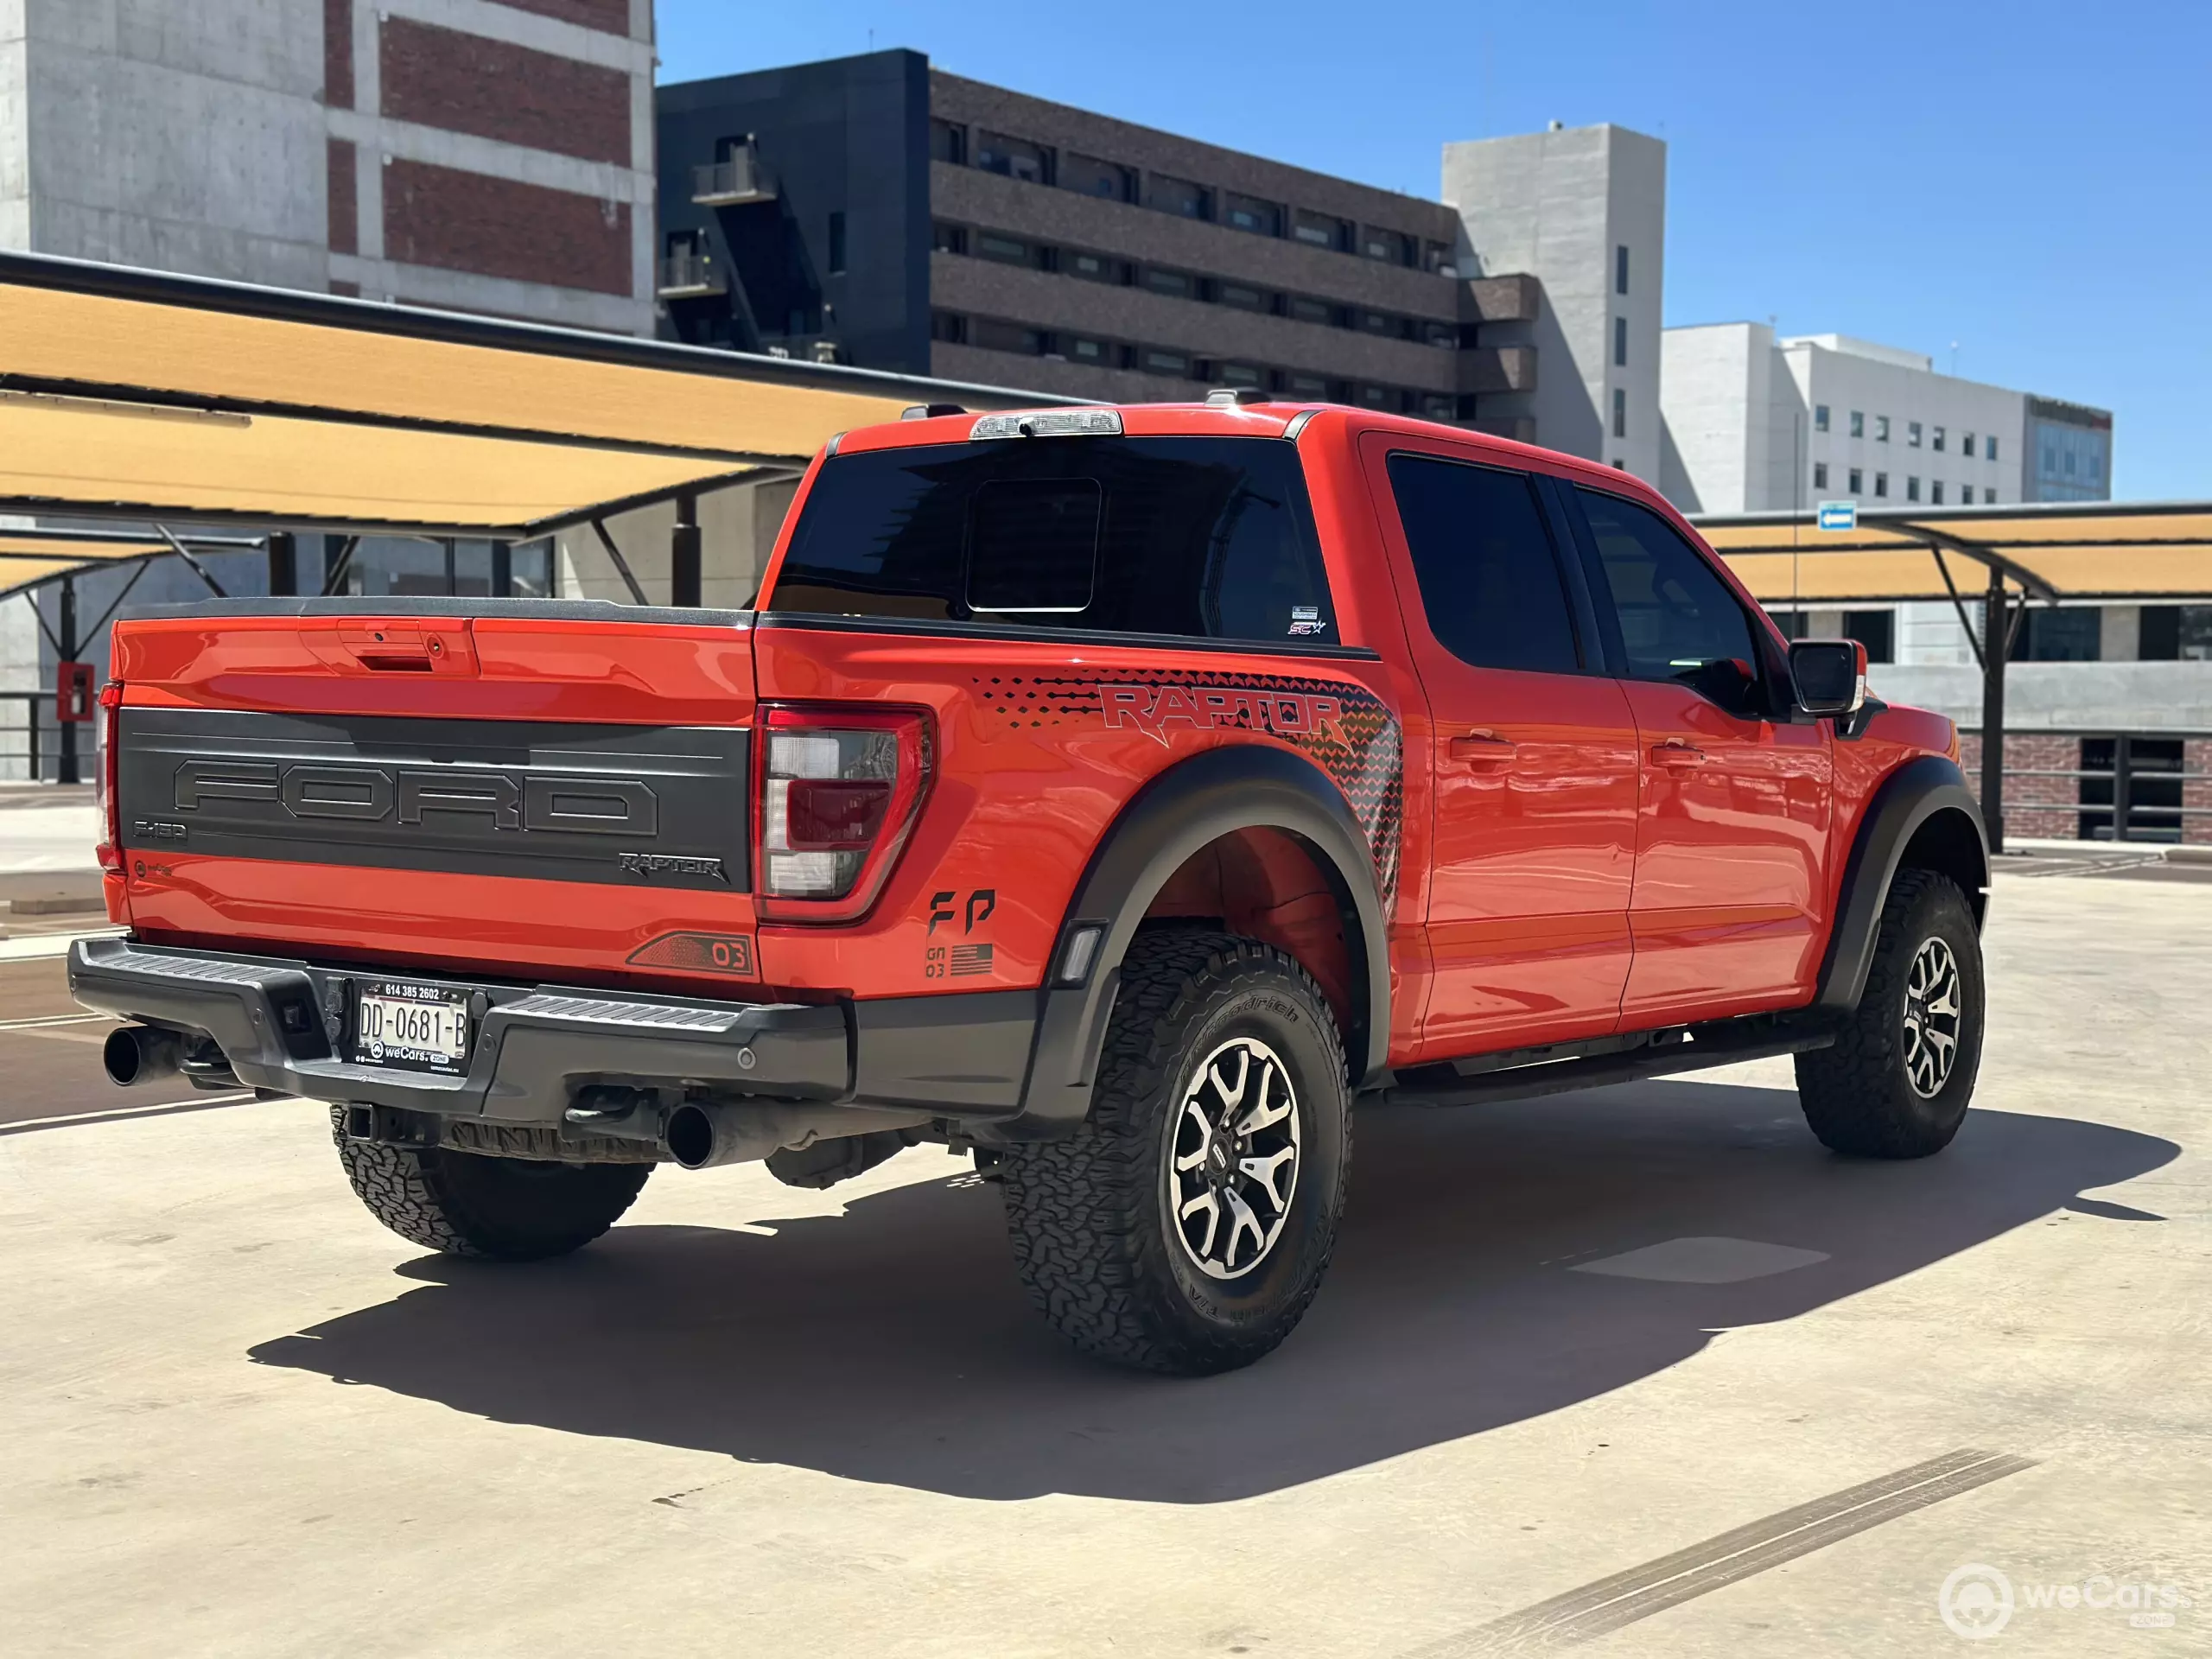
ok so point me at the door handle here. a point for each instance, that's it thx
(1678, 755)
(1483, 751)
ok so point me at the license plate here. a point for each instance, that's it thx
(419, 1027)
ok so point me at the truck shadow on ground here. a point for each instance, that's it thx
(893, 1344)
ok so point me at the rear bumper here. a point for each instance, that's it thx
(280, 1023)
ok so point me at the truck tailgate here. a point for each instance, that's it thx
(544, 785)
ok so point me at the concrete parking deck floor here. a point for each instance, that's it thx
(241, 1418)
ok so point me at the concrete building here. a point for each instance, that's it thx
(878, 211)
(1755, 424)
(491, 156)
(1583, 211)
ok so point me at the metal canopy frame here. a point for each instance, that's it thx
(2013, 579)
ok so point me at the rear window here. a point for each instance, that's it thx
(1210, 537)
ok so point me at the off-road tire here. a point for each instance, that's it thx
(1088, 1215)
(466, 1203)
(1857, 1095)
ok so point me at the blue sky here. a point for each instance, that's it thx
(2032, 180)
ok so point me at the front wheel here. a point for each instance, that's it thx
(1185, 1228)
(1897, 1080)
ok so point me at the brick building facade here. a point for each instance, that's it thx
(485, 155)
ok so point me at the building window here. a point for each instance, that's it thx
(1299, 309)
(1390, 245)
(1007, 250)
(1380, 322)
(1090, 176)
(1015, 158)
(1240, 295)
(1620, 269)
(1935, 440)
(1858, 424)
(2073, 633)
(993, 336)
(1089, 351)
(948, 238)
(949, 327)
(2176, 633)
(1935, 492)
(1881, 428)
(1620, 412)
(1882, 484)
(1319, 231)
(1241, 374)
(1306, 385)
(1876, 630)
(1169, 363)
(1097, 268)
(1912, 489)
(1436, 256)
(1966, 445)
(1619, 466)
(1378, 398)
(837, 244)
(1176, 285)
(1178, 196)
(1989, 447)
(948, 143)
(1912, 435)
(1620, 342)
(1250, 214)
(1820, 417)
(1820, 474)
(1439, 406)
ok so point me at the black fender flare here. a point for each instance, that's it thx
(1910, 800)
(1192, 804)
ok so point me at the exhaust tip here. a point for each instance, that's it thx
(139, 1054)
(690, 1135)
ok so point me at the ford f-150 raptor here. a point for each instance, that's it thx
(1120, 794)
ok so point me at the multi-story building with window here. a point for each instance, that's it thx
(878, 211)
(491, 156)
(1758, 424)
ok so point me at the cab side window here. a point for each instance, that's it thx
(1489, 581)
(1677, 617)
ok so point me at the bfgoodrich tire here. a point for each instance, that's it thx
(1185, 1227)
(1898, 1081)
(464, 1204)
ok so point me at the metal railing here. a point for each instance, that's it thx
(688, 271)
(736, 177)
(2110, 801)
(30, 737)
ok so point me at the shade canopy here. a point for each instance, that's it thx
(2090, 550)
(129, 394)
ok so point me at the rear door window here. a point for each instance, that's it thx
(1206, 537)
(1490, 581)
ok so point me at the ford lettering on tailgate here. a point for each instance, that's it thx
(663, 804)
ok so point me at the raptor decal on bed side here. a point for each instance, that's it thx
(1341, 727)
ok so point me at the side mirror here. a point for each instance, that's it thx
(1830, 676)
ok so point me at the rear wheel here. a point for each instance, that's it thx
(466, 1203)
(1898, 1079)
(1187, 1225)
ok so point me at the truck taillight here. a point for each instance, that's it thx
(109, 851)
(839, 791)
